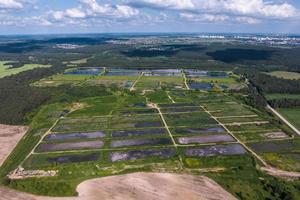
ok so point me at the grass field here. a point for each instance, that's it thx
(5, 70)
(271, 96)
(156, 82)
(285, 75)
(292, 115)
(146, 131)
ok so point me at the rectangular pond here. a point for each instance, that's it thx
(217, 129)
(163, 72)
(200, 86)
(230, 149)
(275, 146)
(123, 72)
(194, 73)
(141, 154)
(175, 105)
(73, 158)
(70, 136)
(148, 124)
(82, 71)
(181, 109)
(130, 133)
(205, 139)
(137, 111)
(140, 142)
(48, 147)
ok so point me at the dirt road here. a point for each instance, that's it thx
(283, 119)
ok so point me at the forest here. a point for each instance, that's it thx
(271, 84)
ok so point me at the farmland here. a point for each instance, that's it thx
(158, 122)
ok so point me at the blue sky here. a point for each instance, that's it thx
(103, 16)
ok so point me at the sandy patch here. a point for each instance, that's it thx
(275, 135)
(281, 173)
(9, 138)
(77, 106)
(136, 186)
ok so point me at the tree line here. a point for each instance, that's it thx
(18, 98)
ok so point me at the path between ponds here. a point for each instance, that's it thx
(136, 81)
(185, 81)
(137, 186)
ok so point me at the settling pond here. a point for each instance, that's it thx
(231, 149)
(70, 136)
(130, 133)
(74, 158)
(140, 154)
(140, 142)
(205, 139)
(45, 147)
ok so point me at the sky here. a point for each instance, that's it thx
(128, 16)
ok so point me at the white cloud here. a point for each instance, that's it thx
(10, 4)
(40, 21)
(242, 8)
(125, 11)
(93, 8)
(255, 8)
(208, 18)
(75, 13)
(165, 4)
(8, 20)
(247, 20)
(204, 17)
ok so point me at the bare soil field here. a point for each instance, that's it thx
(9, 138)
(136, 186)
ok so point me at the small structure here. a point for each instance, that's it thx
(21, 173)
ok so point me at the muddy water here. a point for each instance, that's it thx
(140, 154)
(129, 133)
(231, 149)
(69, 136)
(217, 129)
(140, 142)
(74, 158)
(70, 146)
(205, 139)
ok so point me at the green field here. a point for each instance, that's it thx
(285, 75)
(6, 70)
(273, 96)
(141, 132)
(292, 115)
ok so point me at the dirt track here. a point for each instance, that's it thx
(9, 138)
(144, 186)
(281, 173)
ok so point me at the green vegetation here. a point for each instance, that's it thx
(292, 114)
(7, 70)
(43, 120)
(40, 95)
(272, 96)
(285, 75)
